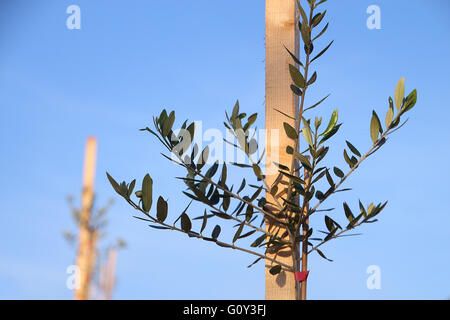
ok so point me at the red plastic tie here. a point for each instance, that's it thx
(301, 275)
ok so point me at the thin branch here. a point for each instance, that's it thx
(334, 237)
(199, 236)
(368, 153)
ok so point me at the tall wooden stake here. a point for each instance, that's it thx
(86, 250)
(281, 30)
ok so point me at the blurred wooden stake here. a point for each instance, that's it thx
(87, 237)
(110, 273)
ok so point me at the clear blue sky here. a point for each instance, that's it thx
(131, 58)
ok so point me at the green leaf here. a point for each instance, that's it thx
(242, 186)
(186, 224)
(251, 120)
(258, 241)
(223, 178)
(123, 189)
(294, 57)
(238, 232)
(312, 79)
(348, 212)
(254, 262)
(321, 32)
(329, 179)
(248, 213)
(281, 166)
(226, 203)
(295, 178)
(223, 244)
(316, 104)
(257, 193)
(411, 100)
(162, 117)
(204, 221)
(319, 195)
(131, 188)
(114, 184)
(330, 134)
(399, 93)
(296, 76)
(317, 122)
(221, 215)
(329, 223)
(303, 160)
(370, 209)
(296, 90)
(347, 159)
(353, 149)
(320, 2)
(290, 132)
(362, 209)
(191, 130)
(307, 135)
(147, 193)
(203, 158)
(247, 234)
(305, 31)
(338, 172)
(275, 270)
(302, 12)
(241, 165)
(235, 112)
(285, 114)
(257, 171)
(332, 123)
(389, 117)
(322, 52)
(161, 209)
(322, 255)
(216, 232)
(168, 123)
(318, 18)
(158, 227)
(212, 170)
(375, 127)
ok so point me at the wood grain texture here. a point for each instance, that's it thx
(281, 30)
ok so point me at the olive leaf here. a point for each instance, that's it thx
(161, 209)
(399, 93)
(147, 193)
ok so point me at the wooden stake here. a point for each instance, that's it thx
(86, 250)
(110, 273)
(92, 258)
(281, 30)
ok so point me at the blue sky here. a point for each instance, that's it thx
(132, 58)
